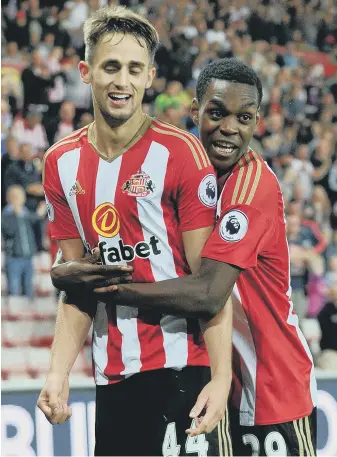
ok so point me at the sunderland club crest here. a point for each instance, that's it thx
(139, 185)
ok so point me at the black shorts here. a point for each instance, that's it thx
(148, 413)
(298, 437)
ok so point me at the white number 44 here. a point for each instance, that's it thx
(194, 444)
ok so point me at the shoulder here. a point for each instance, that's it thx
(181, 144)
(252, 182)
(72, 141)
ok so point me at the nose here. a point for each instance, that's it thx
(122, 78)
(229, 126)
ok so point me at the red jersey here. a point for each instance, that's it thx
(135, 207)
(273, 369)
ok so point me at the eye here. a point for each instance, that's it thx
(215, 114)
(109, 68)
(135, 70)
(245, 117)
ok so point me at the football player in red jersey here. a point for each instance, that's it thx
(145, 193)
(273, 401)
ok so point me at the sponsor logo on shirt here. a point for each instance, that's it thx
(139, 184)
(234, 226)
(106, 220)
(76, 189)
(207, 191)
(50, 209)
(126, 252)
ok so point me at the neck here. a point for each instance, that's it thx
(111, 139)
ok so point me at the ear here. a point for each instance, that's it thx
(258, 117)
(195, 111)
(84, 71)
(150, 77)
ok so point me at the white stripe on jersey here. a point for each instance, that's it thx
(67, 166)
(99, 343)
(244, 343)
(106, 184)
(152, 220)
(293, 319)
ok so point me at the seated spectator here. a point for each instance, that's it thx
(63, 125)
(30, 130)
(6, 120)
(327, 319)
(17, 228)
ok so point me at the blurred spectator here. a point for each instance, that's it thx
(328, 322)
(18, 30)
(26, 172)
(85, 119)
(17, 228)
(11, 155)
(36, 76)
(12, 54)
(6, 120)
(301, 171)
(30, 130)
(64, 124)
(76, 91)
(305, 242)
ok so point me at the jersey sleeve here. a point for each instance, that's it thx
(62, 224)
(196, 194)
(241, 233)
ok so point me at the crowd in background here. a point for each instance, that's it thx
(291, 44)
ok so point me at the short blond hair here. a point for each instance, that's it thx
(118, 19)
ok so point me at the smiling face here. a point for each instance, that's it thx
(119, 73)
(227, 117)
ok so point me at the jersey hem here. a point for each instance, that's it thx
(283, 421)
(123, 377)
(68, 237)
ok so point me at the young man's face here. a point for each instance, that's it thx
(227, 117)
(119, 73)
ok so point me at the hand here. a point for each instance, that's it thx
(53, 399)
(41, 210)
(212, 398)
(87, 272)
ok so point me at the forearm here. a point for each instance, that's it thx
(71, 329)
(187, 296)
(218, 338)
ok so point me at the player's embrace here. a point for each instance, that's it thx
(273, 400)
(144, 192)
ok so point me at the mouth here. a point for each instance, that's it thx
(119, 99)
(224, 148)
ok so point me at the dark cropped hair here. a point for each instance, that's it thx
(118, 19)
(232, 70)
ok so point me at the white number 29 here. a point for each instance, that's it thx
(196, 444)
(274, 444)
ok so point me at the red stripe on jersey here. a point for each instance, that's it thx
(148, 323)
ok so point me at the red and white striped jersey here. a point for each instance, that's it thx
(273, 369)
(135, 207)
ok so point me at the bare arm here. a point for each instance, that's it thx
(217, 332)
(72, 325)
(201, 295)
